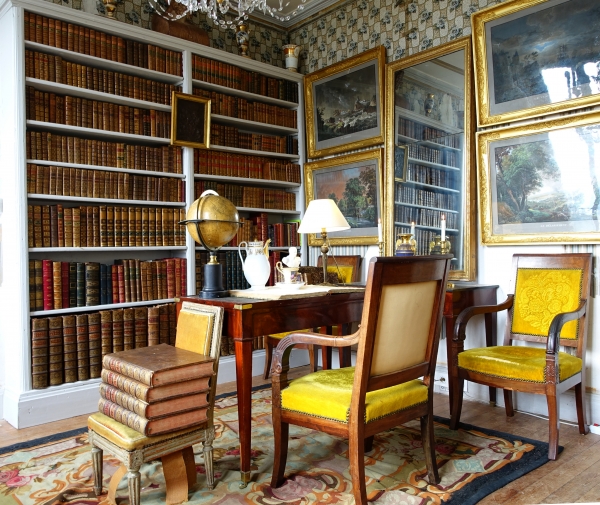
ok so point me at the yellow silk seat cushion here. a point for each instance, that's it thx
(126, 438)
(516, 362)
(327, 394)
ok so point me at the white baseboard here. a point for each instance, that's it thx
(41, 406)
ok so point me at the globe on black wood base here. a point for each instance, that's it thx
(213, 280)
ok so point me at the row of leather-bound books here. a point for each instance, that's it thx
(69, 284)
(238, 107)
(424, 216)
(65, 181)
(232, 76)
(84, 40)
(54, 68)
(104, 226)
(69, 348)
(67, 149)
(210, 162)
(245, 196)
(281, 234)
(86, 113)
(230, 136)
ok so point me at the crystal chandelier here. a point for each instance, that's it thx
(224, 13)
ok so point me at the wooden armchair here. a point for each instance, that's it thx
(348, 271)
(549, 307)
(393, 380)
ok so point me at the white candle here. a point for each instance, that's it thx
(379, 231)
(412, 228)
(443, 225)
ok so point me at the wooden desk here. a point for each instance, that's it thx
(248, 318)
(458, 297)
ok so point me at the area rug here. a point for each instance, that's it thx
(473, 462)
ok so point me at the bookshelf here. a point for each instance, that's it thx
(107, 146)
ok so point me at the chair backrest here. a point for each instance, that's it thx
(545, 285)
(401, 321)
(347, 267)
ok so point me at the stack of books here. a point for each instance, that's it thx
(156, 389)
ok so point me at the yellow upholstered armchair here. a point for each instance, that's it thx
(548, 307)
(393, 380)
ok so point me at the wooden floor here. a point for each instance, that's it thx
(573, 478)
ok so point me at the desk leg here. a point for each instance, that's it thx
(243, 369)
(490, 340)
(449, 324)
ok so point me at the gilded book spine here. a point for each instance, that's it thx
(39, 352)
(122, 415)
(55, 350)
(123, 399)
(130, 386)
(69, 348)
(95, 349)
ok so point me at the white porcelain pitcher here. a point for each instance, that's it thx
(256, 267)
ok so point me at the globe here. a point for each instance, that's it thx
(212, 220)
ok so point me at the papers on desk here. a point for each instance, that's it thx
(280, 293)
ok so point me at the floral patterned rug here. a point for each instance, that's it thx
(473, 462)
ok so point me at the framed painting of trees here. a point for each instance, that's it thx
(540, 182)
(344, 103)
(353, 181)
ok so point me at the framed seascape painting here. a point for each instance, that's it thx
(353, 181)
(540, 183)
(536, 57)
(344, 104)
(190, 121)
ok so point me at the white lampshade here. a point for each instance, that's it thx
(323, 214)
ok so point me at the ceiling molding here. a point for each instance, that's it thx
(311, 8)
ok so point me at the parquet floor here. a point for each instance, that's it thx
(573, 478)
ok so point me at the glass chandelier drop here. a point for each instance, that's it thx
(224, 13)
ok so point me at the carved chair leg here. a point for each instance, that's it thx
(580, 402)
(208, 463)
(280, 435)
(97, 465)
(554, 422)
(312, 356)
(268, 357)
(133, 483)
(508, 402)
(369, 443)
(456, 386)
(356, 453)
(428, 440)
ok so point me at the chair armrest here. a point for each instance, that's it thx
(557, 324)
(463, 318)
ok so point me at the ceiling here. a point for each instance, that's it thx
(311, 7)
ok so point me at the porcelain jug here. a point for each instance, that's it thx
(291, 53)
(256, 267)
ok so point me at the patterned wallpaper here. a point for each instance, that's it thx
(404, 27)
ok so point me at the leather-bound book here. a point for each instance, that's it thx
(69, 348)
(31, 285)
(118, 227)
(95, 344)
(117, 330)
(170, 270)
(154, 325)
(152, 427)
(80, 284)
(154, 410)
(160, 364)
(155, 394)
(83, 223)
(64, 284)
(172, 323)
(106, 331)
(53, 226)
(37, 226)
(46, 241)
(177, 266)
(110, 225)
(83, 347)
(141, 327)
(128, 329)
(55, 350)
(68, 226)
(48, 284)
(163, 323)
(76, 227)
(104, 284)
(39, 352)
(138, 279)
(39, 286)
(72, 283)
(57, 284)
(92, 284)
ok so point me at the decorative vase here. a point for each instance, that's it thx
(429, 103)
(405, 245)
(256, 268)
(291, 52)
(110, 6)
(439, 246)
(242, 38)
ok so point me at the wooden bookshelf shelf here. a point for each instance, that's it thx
(268, 154)
(418, 161)
(34, 196)
(243, 94)
(405, 204)
(106, 249)
(248, 181)
(96, 308)
(253, 126)
(431, 186)
(148, 173)
(269, 211)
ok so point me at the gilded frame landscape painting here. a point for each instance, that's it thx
(535, 57)
(353, 181)
(540, 183)
(344, 104)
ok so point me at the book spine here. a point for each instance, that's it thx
(128, 330)
(83, 347)
(55, 350)
(123, 399)
(47, 284)
(95, 349)
(141, 328)
(92, 284)
(117, 330)
(154, 325)
(57, 284)
(130, 386)
(106, 331)
(39, 352)
(123, 416)
(69, 348)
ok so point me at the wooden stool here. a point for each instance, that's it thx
(133, 449)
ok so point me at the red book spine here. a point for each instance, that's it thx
(65, 284)
(177, 262)
(47, 284)
(183, 277)
(114, 274)
(121, 283)
(170, 277)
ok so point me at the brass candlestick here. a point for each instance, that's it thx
(439, 246)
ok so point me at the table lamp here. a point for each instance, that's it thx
(323, 216)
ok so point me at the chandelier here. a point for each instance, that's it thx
(224, 13)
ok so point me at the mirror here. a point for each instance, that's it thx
(430, 181)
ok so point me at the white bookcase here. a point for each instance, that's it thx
(24, 406)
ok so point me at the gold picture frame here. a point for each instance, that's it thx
(548, 73)
(430, 105)
(190, 121)
(329, 178)
(333, 97)
(555, 198)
